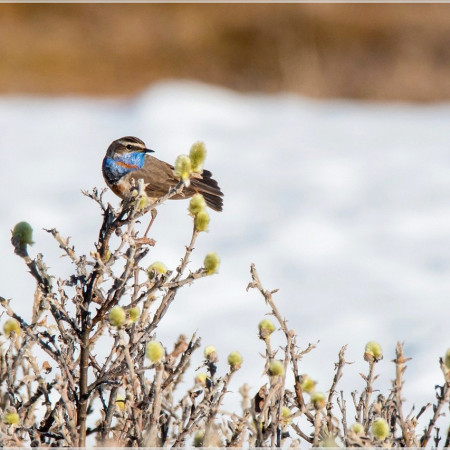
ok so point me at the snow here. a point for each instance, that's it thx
(343, 206)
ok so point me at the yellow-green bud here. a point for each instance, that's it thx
(447, 359)
(117, 316)
(154, 352)
(307, 384)
(11, 418)
(197, 156)
(286, 415)
(266, 328)
(120, 402)
(318, 400)
(211, 263)
(23, 233)
(235, 360)
(380, 429)
(197, 204)
(210, 353)
(142, 203)
(156, 268)
(201, 221)
(11, 325)
(357, 428)
(276, 368)
(134, 314)
(373, 351)
(183, 167)
(198, 438)
(200, 378)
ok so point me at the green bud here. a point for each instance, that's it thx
(197, 204)
(266, 328)
(154, 352)
(373, 351)
(197, 156)
(200, 378)
(183, 167)
(117, 316)
(447, 358)
(198, 438)
(11, 418)
(318, 400)
(23, 233)
(210, 353)
(201, 221)
(211, 263)
(286, 415)
(11, 325)
(134, 314)
(276, 368)
(142, 203)
(357, 428)
(380, 429)
(235, 360)
(120, 402)
(307, 384)
(156, 268)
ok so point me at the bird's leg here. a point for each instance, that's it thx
(154, 213)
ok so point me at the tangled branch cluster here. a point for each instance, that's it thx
(57, 387)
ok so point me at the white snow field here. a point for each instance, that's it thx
(344, 206)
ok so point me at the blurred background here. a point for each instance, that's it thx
(327, 127)
(382, 51)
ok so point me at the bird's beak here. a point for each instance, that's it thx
(147, 150)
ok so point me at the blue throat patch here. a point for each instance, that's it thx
(115, 169)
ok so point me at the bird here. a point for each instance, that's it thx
(128, 159)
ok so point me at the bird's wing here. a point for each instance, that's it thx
(157, 175)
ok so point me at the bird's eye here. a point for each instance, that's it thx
(129, 147)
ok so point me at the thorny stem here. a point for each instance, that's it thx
(256, 283)
(365, 398)
(398, 383)
(337, 376)
(443, 397)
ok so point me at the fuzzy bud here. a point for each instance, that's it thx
(447, 359)
(120, 402)
(357, 428)
(11, 325)
(142, 202)
(380, 429)
(210, 353)
(23, 234)
(11, 418)
(197, 156)
(211, 263)
(266, 328)
(235, 360)
(307, 384)
(286, 415)
(183, 167)
(134, 314)
(318, 400)
(197, 204)
(155, 269)
(200, 378)
(154, 352)
(276, 368)
(117, 316)
(201, 221)
(373, 351)
(198, 438)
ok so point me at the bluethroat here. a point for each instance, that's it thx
(128, 159)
